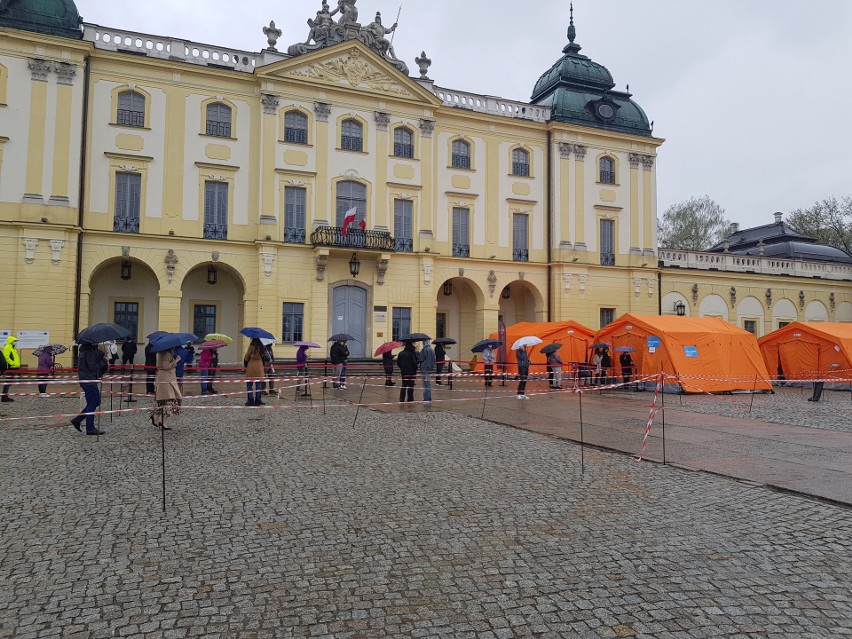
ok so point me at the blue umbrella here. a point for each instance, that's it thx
(255, 332)
(154, 335)
(103, 332)
(167, 341)
(482, 344)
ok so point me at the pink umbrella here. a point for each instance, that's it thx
(387, 346)
(211, 345)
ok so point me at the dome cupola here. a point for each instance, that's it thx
(580, 91)
(52, 17)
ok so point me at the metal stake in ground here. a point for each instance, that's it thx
(484, 400)
(663, 411)
(163, 448)
(358, 407)
(582, 446)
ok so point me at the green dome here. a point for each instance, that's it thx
(53, 17)
(579, 90)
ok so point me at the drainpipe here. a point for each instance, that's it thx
(81, 195)
(659, 291)
(548, 200)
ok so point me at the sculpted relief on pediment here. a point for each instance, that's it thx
(354, 71)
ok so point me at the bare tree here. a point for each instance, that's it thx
(694, 225)
(829, 221)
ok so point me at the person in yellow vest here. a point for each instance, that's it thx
(10, 365)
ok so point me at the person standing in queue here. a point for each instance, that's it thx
(255, 361)
(11, 364)
(339, 355)
(91, 366)
(407, 362)
(523, 370)
(168, 396)
(205, 363)
(427, 368)
(45, 369)
(150, 368)
(302, 370)
(387, 364)
(488, 361)
(128, 352)
(440, 360)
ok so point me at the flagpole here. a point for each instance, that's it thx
(396, 21)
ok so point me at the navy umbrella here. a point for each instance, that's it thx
(341, 337)
(103, 332)
(482, 344)
(256, 333)
(168, 341)
(154, 335)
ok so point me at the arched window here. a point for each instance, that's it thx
(351, 195)
(461, 155)
(607, 170)
(295, 127)
(351, 135)
(131, 109)
(403, 146)
(219, 120)
(520, 162)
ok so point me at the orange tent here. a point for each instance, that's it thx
(809, 350)
(574, 337)
(707, 354)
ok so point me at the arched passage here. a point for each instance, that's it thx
(212, 301)
(521, 302)
(125, 291)
(458, 308)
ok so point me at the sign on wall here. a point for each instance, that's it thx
(32, 339)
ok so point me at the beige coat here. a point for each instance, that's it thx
(255, 364)
(166, 380)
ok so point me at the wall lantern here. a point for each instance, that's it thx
(680, 308)
(448, 287)
(354, 265)
(506, 293)
(126, 266)
(212, 275)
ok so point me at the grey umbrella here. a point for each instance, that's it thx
(415, 337)
(550, 348)
(342, 337)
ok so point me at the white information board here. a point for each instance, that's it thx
(4, 333)
(32, 339)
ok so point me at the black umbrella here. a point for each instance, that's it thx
(444, 340)
(415, 337)
(599, 345)
(550, 348)
(482, 344)
(103, 332)
(342, 337)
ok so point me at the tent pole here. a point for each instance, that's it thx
(663, 410)
(582, 446)
(753, 391)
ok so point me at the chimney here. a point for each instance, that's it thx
(778, 216)
(735, 227)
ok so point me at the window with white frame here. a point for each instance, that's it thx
(128, 187)
(131, 109)
(216, 210)
(461, 232)
(520, 237)
(295, 127)
(520, 163)
(219, 120)
(460, 155)
(403, 232)
(294, 214)
(403, 145)
(351, 136)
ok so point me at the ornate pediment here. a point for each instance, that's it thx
(351, 69)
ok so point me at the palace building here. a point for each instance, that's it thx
(171, 185)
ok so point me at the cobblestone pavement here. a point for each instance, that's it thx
(423, 524)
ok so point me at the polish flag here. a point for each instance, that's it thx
(347, 220)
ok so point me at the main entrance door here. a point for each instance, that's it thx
(349, 315)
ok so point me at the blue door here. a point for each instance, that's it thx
(349, 315)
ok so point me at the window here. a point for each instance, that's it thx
(402, 227)
(401, 323)
(295, 127)
(782, 324)
(440, 325)
(607, 316)
(403, 146)
(216, 210)
(203, 319)
(520, 163)
(750, 326)
(461, 155)
(607, 170)
(127, 197)
(607, 242)
(520, 237)
(351, 136)
(219, 120)
(294, 214)
(131, 109)
(351, 195)
(461, 232)
(293, 319)
(126, 314)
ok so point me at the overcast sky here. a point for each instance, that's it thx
(750, 96)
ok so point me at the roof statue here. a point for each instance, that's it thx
(325, 32)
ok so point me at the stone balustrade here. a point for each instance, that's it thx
(754, 264)
(492, 105)
(168, 48)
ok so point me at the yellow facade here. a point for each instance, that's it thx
(88, 130)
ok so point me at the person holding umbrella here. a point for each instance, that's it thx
(427, 367)
(440, 360)
(627, 366)
(488, 361)
(91, 366)
(407, 362)
(167, 395)
(150, 364)
(339, 355)
(523, 370)
(128, 351)
(302, 370)
(554, 359)
(45, 368)
(205, 363)
(256, 360)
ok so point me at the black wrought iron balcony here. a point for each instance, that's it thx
(607, 259)
(520, 255)
(404, 244)
(356, 238)
(126, 225)
(294, 235)
(215, 231)
(461, 250)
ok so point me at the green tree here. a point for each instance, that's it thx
(693, 225)
(829, 221)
